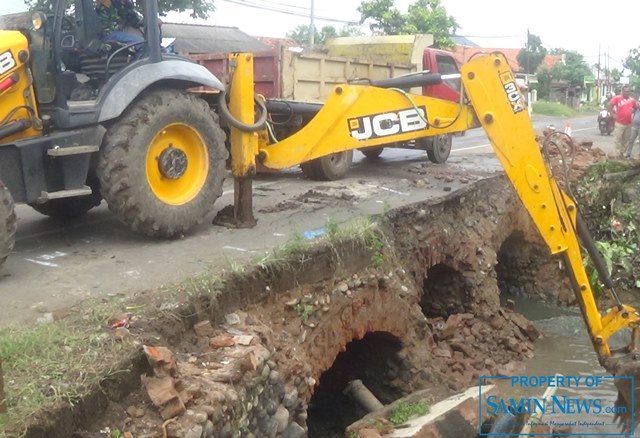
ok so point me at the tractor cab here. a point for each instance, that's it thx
(73, 63)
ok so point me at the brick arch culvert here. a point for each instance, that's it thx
(255, 371)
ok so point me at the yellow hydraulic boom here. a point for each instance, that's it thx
(364, 115)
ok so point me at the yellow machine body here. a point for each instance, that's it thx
(17, 101)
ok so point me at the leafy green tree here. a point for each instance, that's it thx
(632, 62)
(423, 16)
(384, 19)
(301, 33)
(532, 55)
(198, 8)
(616, 75)
(545, 78)
(572, 71)
(429, 16)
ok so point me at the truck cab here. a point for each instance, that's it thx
(443, 62)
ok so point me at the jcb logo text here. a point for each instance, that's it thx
(513, 93)
(6, 62)
(385, 124)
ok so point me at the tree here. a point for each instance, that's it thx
(301, 34)
(384, 18)
(632, 63)
(423, 16)
(572, 71)
(198, 8)
(532, 55)
(429, 16)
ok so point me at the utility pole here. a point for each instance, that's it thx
(312, 27)
(526, 76)
(599, 93)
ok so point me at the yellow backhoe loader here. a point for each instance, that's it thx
(81, 119)
(370, 115)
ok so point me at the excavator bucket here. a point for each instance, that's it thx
(627, 373)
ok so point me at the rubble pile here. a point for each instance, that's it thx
(466, 347)
(397, 325)
(226, 383)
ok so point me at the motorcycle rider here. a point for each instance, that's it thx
(605, 115)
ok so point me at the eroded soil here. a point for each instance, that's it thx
(268, 352)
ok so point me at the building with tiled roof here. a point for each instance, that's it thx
(463, 54)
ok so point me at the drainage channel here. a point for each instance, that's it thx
(427, 318)
(566, 345)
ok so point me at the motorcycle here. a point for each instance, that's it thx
(605, 122)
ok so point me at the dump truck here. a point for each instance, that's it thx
(307, 76)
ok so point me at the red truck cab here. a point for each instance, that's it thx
(443, 62)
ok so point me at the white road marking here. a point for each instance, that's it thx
(43, 259)
(53, 255)
(48, 264)
(486, 145)
(387, 189)
(235, 248)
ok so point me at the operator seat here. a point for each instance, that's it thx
(95, 53)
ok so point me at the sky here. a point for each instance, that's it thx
(567, 24)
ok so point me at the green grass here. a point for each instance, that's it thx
(402, 412)
(60, 361)
(50, 363)
(555, 109)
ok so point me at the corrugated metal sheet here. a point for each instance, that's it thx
(195, 38)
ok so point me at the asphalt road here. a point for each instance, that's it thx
(58, 264)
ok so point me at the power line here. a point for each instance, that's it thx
(490, 36)
(280, 10)
(288, 5)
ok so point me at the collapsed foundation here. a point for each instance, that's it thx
(271, 353)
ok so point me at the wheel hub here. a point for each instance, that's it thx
(172, 163)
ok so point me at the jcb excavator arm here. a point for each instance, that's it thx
(363, 115)
(492, 90)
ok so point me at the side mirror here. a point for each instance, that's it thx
(68, 42)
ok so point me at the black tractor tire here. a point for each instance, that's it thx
(8, 223)
(146, 198)
(328, 168)
(439, 148)
(373, 152)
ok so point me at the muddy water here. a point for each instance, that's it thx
(565, 348)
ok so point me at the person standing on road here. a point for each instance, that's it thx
(635, 130)
(622, 107)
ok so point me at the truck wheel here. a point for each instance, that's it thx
(328, 168)
(439, 148)
(162, 163)
(7, 223)
(373, 152)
